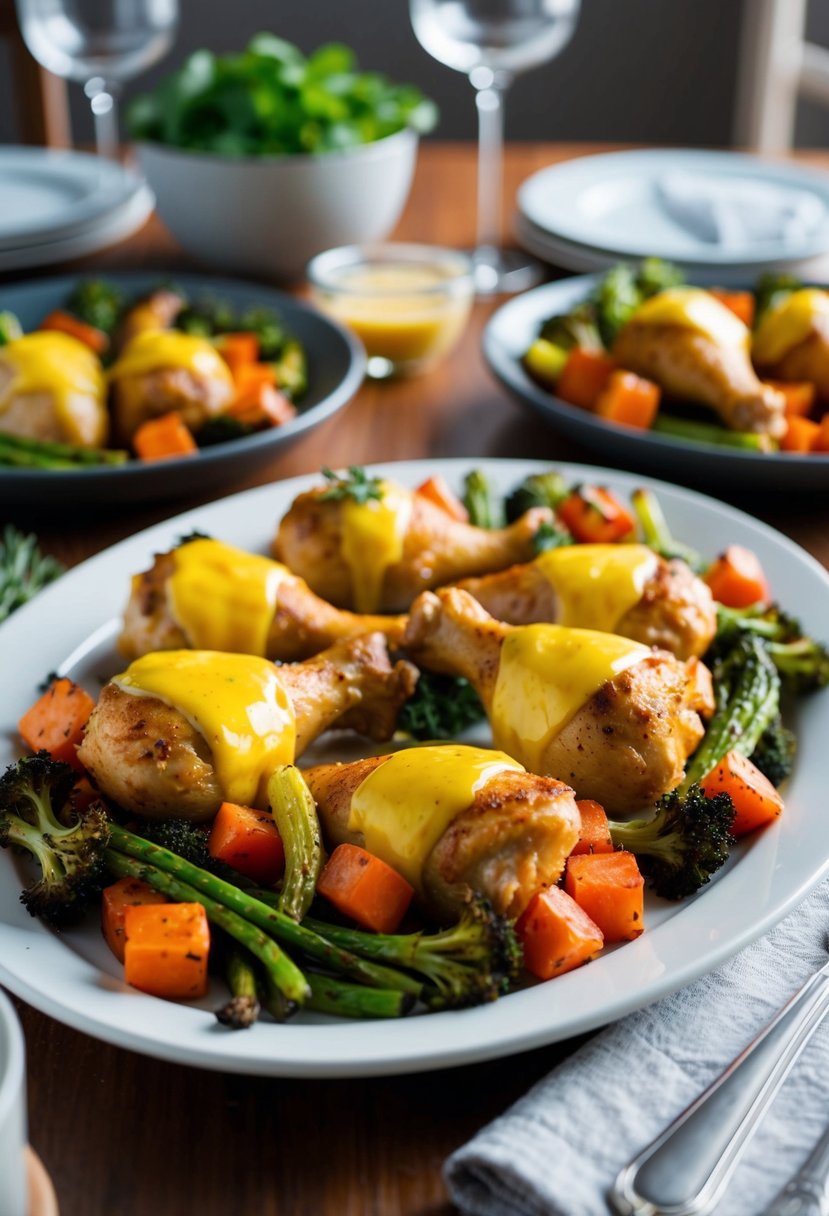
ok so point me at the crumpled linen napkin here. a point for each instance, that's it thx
(735, 213)
(557, 1151)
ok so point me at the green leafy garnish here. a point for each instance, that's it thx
(98, 303)
(550, 536)
(355, 484)
(24, 570)
(441, 707)
(270, 100)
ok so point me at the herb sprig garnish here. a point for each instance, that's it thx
(24, 570)
(355, 484)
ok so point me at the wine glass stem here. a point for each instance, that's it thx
(490, 104)
(104, 105)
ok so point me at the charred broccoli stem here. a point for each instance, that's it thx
(468, 964)
(748, 701)
(775, 752)
(295, 815)
(242, 1010)
(802, 662)
(485, 509)
(33, 794)
(682, 844)
(656, 533)
(537, 490)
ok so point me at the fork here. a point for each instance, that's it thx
(685, 1170)
(807, 1194)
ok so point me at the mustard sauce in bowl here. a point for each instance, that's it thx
(408, 304)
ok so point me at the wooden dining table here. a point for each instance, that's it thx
(122, 1134)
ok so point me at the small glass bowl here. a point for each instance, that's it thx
(408, 304)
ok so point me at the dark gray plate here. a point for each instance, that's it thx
(514, 326)
(335, 362)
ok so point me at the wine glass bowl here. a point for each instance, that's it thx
(101, 44)
(491, 41)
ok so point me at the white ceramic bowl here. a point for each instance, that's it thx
(13, 1188)
(270, 215)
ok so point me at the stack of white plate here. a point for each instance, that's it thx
(56, 205)
(721, 216)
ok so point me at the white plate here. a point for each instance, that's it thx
(46, 194)
(584, 259)
(114, 226)
(507, 336)
(611, 203)
(73, 977)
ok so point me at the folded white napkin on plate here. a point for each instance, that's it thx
(735, 212)
(557, 1151)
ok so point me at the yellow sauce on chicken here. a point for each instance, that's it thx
(70, 372)
(693, 308)
(224, 598)
(404, 806)
(597, 584)
(789, 324)
(236, 701)
(153, 350)
(546, 674)
(372, 540)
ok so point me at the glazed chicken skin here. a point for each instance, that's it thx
(510, 839)
(792, 340)
(157, 311)
(146, 755)
(381, 569)
(300, 624)
(673, 610)
(52, 389)
(624, 743)
(689, 344)
(163, 371)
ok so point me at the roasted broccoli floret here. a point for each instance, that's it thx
(189, 841)
(468, 964)
(33, 795)
(441, 707)
(98, 303)
(617, 299)
(484, 507)
(656, 533)
(802, 662)
(655, 275)
(538, 490)
(683, 844)
(575, 328)
(774, 754)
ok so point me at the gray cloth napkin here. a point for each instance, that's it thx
(735, 213)
(558, 1149)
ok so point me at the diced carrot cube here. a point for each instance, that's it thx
(164, 437)
(584, 376)
(800, 396)
(802, 435)
(438, 492)
(736, 578)
(629, 400)
(756, 801)
(556, 935)
(115, 899)
(166, 949)
(364, 888)
(594, 836)
(741, 303)
(56, 721)
(595, 516)
(610, 889)
(249, 841)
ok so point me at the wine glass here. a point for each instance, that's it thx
(492, 41)
(100, 43)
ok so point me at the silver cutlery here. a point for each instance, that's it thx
(685, 1170)
(807, 1194)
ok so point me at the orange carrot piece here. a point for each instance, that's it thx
(821, 441)
(365, 889)
(736, 578)
(164, 437)
(166, 949)
(556, 935)
(629, 400)
(594, 515)
(584, 376)
(56, 721)
(239, 351)
(756, 801)
(249, 841)
(261, 404)
(438, 492)
(610, 889)
(741, 303)
(115, 899)
(800, 396)
(802, 435)
(594, 836)
(64, 323)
